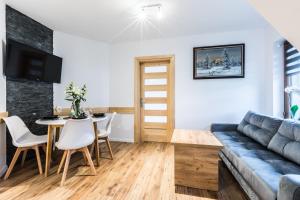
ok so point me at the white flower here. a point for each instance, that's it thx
(292, 89)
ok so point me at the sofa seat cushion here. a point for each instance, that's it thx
(260, 128)
(286, 141)
(260, 167)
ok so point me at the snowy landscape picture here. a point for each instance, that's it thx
(226, 61)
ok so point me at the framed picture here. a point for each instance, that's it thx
(225, 61)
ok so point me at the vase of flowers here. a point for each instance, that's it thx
(293, 107)
(76, 95)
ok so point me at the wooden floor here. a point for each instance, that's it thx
(137, 172)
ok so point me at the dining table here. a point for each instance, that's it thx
(56, 125)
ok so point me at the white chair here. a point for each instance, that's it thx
(103, 134)
(75, 136)
(24, 140)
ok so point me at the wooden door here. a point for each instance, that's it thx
(156, 100)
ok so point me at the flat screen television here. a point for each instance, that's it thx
(26, 62)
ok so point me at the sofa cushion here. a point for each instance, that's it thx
(235, 139)
(260, 167)
(259, 127)
(286, 141)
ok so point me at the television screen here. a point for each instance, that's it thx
(25, 62)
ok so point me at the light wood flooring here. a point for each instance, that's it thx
(137, 172)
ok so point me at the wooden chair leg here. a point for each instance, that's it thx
(62, 162)
(13, 162)
(24, 157)
(88, 157)
(84, 158)
(92, 149)
(66, 168)
(44, 147)
(109, 147)
(38, 159)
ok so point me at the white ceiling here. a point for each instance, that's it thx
(115, 20)
(284, 17)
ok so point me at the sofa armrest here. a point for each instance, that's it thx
(289, 187)
(223, 127)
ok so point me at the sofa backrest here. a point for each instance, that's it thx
(286, 141)
(260, 128)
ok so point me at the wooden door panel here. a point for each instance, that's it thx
(155, 87)
(155, 135)
(153, 125)
(155, 114)
(154, 100)
(156, 75)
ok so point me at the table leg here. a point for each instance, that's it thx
(97, 144)
(49, 150)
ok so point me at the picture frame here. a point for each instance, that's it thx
(222, 61)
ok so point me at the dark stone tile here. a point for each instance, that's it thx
(29, 100)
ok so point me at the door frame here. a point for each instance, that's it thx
(137, 93)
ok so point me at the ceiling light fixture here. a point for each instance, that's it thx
(150, 10)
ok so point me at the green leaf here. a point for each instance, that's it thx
(294, 110)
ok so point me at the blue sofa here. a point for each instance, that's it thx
(263, 155)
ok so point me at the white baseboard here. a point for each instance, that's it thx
(3, 170)
(128, 140)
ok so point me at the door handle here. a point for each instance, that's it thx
(142, 102)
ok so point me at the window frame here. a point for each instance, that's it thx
(287, 77)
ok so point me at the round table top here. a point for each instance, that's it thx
(61, 121)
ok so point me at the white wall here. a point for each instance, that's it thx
(84, 62)
(198, 103)
(278, 79)
(2, 90)
(275, 63)
(87, 62)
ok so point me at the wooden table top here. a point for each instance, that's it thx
(196, 138)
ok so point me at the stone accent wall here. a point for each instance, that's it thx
(29, 100)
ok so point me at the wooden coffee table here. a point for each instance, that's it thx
(196, 159)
